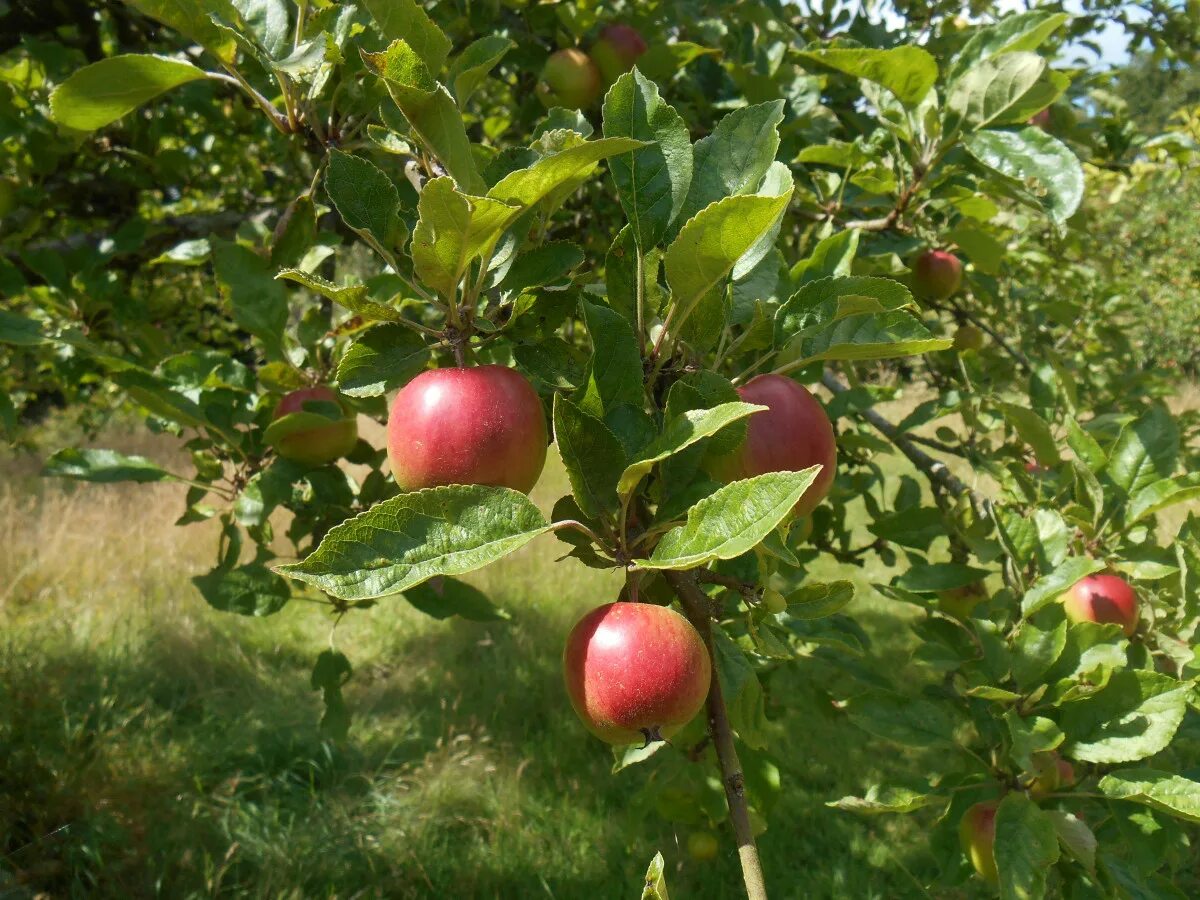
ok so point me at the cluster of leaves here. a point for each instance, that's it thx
(425, 211)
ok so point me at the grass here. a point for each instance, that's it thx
(153, 746)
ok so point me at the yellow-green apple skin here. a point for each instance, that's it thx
(977, 833)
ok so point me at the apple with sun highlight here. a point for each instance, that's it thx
(569, 79)
(937, 274)
(977, 833)
(791, 434)
(478, 425)
(1102, 598)
(635, 672)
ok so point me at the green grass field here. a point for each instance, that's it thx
(153, 746)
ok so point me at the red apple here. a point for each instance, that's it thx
(320, 444)
(937, 274)
(1041, 119)
(702, 846)
(480, 425)
(616, 51)
(1050, 773)
(635, 672)
(977, 832)
(1102, 598)
(569, 79)
(793, 433)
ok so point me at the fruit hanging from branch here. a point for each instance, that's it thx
(635, 672)
(1102, 598)
(977, 833)
(792, 434)
(937, 274)
(569, 79)
(616, 51)
(478, 425)
(314, 442)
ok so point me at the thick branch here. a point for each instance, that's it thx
(935, 469)
(696, 605)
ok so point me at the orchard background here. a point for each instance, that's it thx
(242, 653)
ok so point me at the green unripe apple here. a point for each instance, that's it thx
(318, 444)
(968, 337)
(702, 846)
(977, 833)
(773, 601)
(616, 51)
(1050, 773)
(569, 79)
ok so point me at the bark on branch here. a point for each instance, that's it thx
(696, 605)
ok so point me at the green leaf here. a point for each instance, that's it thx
(159, 399)
(331, 671)
(259, 302)
(104, 466)
(615, 371)
(453, 230)
(352, 297)
(365, 198)
(430, 110)
(192, 19)
(592, 456)
(20, 330)
(734, 159)
(381, 360)
(397, 544)
(1026, 846)
(1160, 495)
(251, 590)
(471, 67)
(930, 578)
(1050, 587)
(656, 880)
(1049, 175)
(1074, 836)
(1035, 651)
(1022, 31)
(528, 187)
(545, 264)
(700, 259)
(881, 799)
(822, 301)
(445, 597)
(731, 521)
(407, 20)
(1034, 430)
(741, 689)
(815, 601)
(832, 256)
(185, 253)
(101, 93)
(1085, 447)
(908, 72)
(1132, 717)
(680, 433)
(867, 336)
(653, 181)
(1145, 452)
(910, 721)
(990, 88)
(1030, 735)
(1164, 791)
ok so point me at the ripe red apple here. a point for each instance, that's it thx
(569, 79)
(480, 425)
(968, 337)
(937, 274)
(1050, 773)
(793, 433)
(702, 846)
(323, 443)
(977, 833)
(635, 672)
(616, 51)
(1102, 598)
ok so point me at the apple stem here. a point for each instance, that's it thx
(696, 605)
